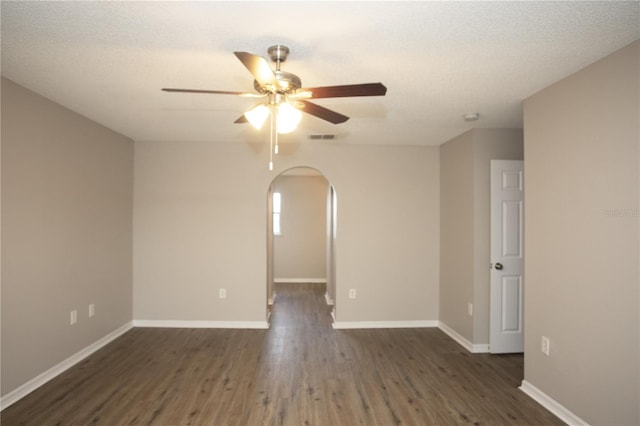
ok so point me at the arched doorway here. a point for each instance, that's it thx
(301, 231)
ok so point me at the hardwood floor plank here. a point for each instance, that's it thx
(299, 372)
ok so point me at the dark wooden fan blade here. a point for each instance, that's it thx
(241, 119)
(349, 90)
(259, 68)
(322, 112)
(216, 92)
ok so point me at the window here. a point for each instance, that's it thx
(276, 213)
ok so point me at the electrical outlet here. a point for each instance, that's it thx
(352, 293)
(73, 317)
(470, 309)
(92, 310)
(222, 293)
(545, 345)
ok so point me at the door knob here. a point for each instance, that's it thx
(499, 266)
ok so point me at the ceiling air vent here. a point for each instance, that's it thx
(321, 137)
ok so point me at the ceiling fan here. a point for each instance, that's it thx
(285, 96)
(280, 86)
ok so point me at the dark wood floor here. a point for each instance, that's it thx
(300, 372)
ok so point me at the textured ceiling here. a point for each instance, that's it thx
(439, 60)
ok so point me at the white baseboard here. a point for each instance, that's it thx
(60, 368)
(200, 324)
(383, 324)
(551, 404)
(272, 300)
(300, 280)
(463, 341)
(328, 299)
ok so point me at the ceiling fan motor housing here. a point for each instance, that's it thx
(288, 83)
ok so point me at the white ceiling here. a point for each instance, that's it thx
(439, 60)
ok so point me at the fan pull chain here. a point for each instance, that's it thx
(271, 142)
(273, 136)
(274, 122)
(275, 148)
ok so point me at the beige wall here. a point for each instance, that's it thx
(300, 250)
(582, 245)
(66, 233)
(465, 226)
(456, 233)
(200, 224)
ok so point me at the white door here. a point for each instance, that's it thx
(506, 330)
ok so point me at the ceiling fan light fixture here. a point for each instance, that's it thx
(257, 116)
(288, 117)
